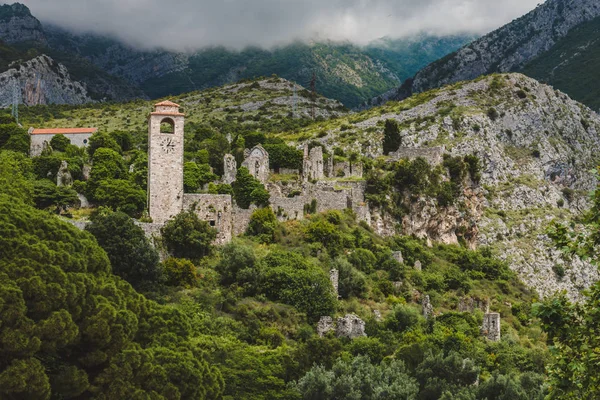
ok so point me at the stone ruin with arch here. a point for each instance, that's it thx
(315, 184)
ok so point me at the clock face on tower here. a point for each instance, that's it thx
(167, 145)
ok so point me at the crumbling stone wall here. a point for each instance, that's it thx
(491, 326)
(350, 326)
(433, 155)
(241, 219)
(37, 141)
(257, 162)
(289, 208)
(312, 164)
(347, 169)
(325, 325)
(230, 169)
(334, 277)
(216, 209)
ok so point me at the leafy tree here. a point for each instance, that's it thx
(123, 139)
(72, 329)
(358, 379)
(46, 167)
(102, 140)
(195, 176)
(13, 137)
(362, 259)
(391, 136)
(16, 176)
(46, 194)
(289, 278)
(283, 156)
(131, 255)
(180, 272)
(322, 231)
(59, 142)
(236, 258)
(107, 164)
(248, 190)
(263, 224)
(120, 195)
(186, 236)
(403, 318)
(351, 282)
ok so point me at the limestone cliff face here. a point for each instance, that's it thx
(18, 25)
(536, 146)
(41, 81)
(509, 48)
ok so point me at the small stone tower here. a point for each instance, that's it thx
(491, 326)
(165, 162)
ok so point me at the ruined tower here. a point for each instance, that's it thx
(165, 162)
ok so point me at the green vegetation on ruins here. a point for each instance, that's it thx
(96, 314)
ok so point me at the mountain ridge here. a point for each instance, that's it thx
(507, 49)
(346, 72)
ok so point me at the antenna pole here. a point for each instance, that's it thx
(313, 89)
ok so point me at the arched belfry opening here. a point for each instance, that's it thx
(167, 125)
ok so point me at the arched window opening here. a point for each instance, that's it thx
(167, 125)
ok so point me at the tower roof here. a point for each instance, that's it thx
(166, 103)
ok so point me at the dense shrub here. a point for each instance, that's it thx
(180, 272)
(248, 190)
(131, 255)
(262, 225)
(196, 176)
(59, 142)
(291, 279)
(120, 195)
(351, 282)
(46, 194)
(102, 140)
(13, 137)
(186, 236)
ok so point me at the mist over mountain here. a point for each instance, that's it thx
(114, 70)
(187, 26)
(556, 42)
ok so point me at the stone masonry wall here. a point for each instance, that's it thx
(37, 141)
(165, 167)
(241, 219)
(433, 155)
(216, 209)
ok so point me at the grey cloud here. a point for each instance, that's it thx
(192, 24)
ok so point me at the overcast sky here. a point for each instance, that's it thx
(192, 24)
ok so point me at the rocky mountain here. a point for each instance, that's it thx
(17, 25)
(573, 64)
(115, 71)
(39, 81)
(536, 147)
(510, 48)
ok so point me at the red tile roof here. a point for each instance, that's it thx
(166, 103)
(63, 131)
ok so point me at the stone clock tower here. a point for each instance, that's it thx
(165, 162)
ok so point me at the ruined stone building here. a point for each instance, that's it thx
(257, 162)
(166, 197)
(40, 138)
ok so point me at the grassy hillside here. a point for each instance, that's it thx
(250, 310)
(573, 64)
(265, 104)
